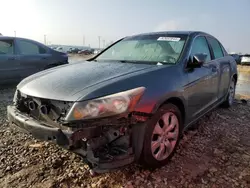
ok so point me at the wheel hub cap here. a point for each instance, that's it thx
(165, 136)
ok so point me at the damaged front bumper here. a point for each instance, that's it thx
(103, 147)
(29, 125)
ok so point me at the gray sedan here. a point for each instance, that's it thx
(132, 101)
(21, 57)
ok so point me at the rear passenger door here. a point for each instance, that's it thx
(33, 57)
(222, 64)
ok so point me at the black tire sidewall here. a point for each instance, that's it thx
(148, 159)
(226, 103)
(230, 104)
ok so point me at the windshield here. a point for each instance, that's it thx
(147, 48)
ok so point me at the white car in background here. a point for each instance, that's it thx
(97, 51)
(245, 59)
(59, 49)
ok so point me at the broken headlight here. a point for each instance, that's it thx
(110, 105)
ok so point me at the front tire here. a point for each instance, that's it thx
(162, 136)
(230, 96)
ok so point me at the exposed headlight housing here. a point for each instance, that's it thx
(17, 96)
(110, 105)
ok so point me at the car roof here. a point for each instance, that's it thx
(189, 33)
(5, 37)
(12, 38)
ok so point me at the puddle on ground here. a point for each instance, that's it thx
(243, 86)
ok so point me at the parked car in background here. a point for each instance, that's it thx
(21, 57)
(245, 59)
(74, 50)
(60, 49)
(236, 57)
(86, 52)
(132, 101)
(97, 51)
(53, 47)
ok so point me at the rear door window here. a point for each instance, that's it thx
(6, 47)
(200, 45)
(216, 47)
(29, 48)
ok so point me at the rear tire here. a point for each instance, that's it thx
(162, 136)
(230, 96)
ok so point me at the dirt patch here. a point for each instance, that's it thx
(215, 154)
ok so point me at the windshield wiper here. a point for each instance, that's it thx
(138, 62)
(146, 62)
(127, 61)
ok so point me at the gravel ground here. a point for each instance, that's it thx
(214, 154)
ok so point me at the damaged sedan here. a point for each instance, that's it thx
(131, 102)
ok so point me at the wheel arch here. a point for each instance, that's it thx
(179, 101)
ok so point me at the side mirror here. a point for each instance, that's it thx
(197, 60)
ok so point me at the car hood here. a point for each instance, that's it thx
(69, 82)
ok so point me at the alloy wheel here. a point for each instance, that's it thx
(165, 136)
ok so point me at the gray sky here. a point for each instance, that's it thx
(67, 21)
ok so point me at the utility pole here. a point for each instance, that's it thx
(103, 43)
(15, 33)
(83, 40)
(99, 39)
(45, 39)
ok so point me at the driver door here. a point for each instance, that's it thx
(202, 89)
